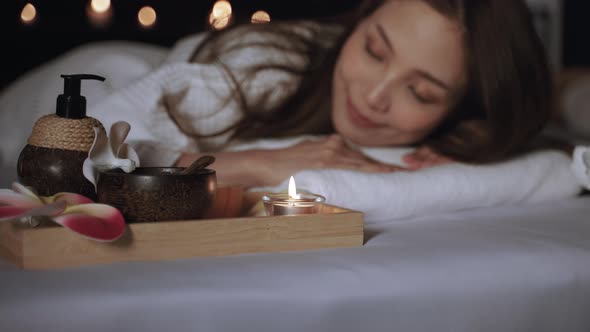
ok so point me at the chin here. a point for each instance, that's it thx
(369, 139)
(351, 134)
(361, 140)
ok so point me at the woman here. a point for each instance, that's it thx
(462, 80)
(459, 79)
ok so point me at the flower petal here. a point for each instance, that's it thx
(89, 171)
(100, 145)
(127, 165)
(127, 152)
(13, 213)
(117, 134)
(98, 222)
(12, 198)
(69, 198)
(19, 188)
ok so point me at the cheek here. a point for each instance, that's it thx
(351, 64)
(411, 117)
(338, 112)
(344, 82)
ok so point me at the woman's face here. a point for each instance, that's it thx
(398, 74)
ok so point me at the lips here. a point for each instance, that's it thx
(357, 118)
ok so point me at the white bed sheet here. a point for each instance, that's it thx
(511, 268)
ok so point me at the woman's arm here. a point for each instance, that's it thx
(233, 167)
(259, 168)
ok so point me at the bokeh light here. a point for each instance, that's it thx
(99, 13)
(220, 14)
(28, 14)
(147, 16)
(260, 16)
(100, 6)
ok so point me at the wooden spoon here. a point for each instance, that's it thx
(198, 164)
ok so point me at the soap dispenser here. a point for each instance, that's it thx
(52, 159)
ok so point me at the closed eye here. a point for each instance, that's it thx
(419, 97)
(372, 53)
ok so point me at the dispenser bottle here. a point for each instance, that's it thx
(52, 160)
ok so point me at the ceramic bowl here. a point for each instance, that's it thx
(158, 193)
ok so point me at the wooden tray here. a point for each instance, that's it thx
(56, 247)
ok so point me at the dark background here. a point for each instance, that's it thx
(63, 24)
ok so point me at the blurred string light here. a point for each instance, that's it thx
(100, 6)
(147, 16)
(220, 14)
(28, 14)
(99, 12)
(260, 16)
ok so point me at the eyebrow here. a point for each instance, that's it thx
(433, 79)
(384, 36)
(422, 73)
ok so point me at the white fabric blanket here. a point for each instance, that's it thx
(506, 269)
(536, 177)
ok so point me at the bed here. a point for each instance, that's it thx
(520, 266)
(524, 267)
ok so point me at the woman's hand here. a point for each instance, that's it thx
(256, 168)
(424, 157)
(330, 152)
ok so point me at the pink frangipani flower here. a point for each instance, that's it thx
(78, 213)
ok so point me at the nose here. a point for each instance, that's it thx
(379, 97)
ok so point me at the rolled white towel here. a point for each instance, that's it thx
(535, 177)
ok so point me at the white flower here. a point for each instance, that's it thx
(581, 165)
(110, 152)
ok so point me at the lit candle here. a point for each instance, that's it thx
(292, 203)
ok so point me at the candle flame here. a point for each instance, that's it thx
(293, 189)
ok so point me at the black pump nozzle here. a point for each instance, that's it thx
(71, 104)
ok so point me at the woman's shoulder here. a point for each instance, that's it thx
(182, 50)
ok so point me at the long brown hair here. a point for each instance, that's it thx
(507, 101)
